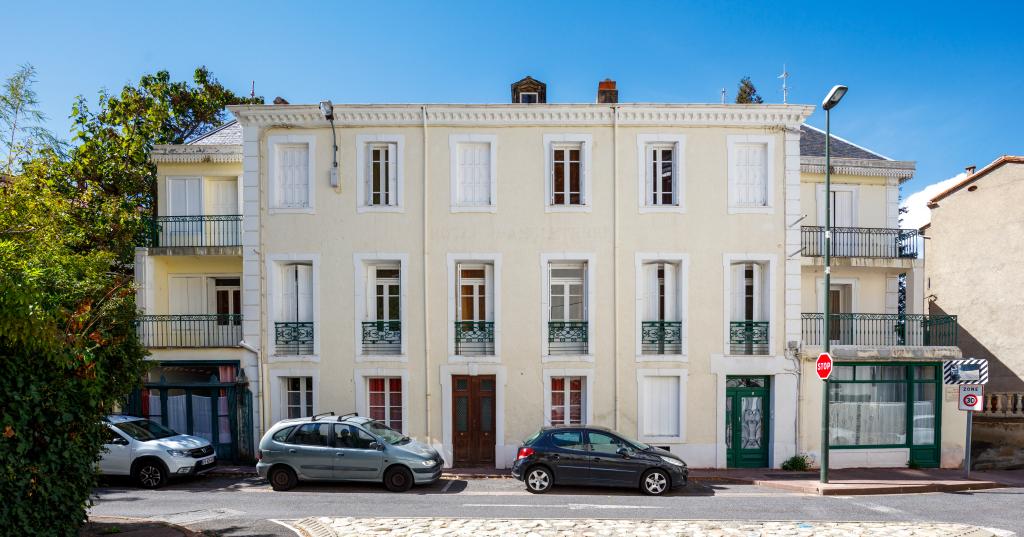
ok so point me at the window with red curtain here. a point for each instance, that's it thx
(385, 404)
(567, 400)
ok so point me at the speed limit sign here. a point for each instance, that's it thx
(970, 397)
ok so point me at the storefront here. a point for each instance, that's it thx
(887, 406)
(209, 399)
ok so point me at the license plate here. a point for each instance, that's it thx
(208, 460)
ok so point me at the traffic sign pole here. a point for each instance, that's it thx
(828, 287)
(967, 446)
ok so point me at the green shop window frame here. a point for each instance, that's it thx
(921, 455)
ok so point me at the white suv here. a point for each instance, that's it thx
(152, 453)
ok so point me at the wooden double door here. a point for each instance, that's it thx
(473, 409)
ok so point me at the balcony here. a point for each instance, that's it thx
(382, 337)
(881, 243)
(748, 338)
(474, 338)
(189, 331)
(194, 231)
(661, 337)
(294, 338)
(568, 337)
(881, 329)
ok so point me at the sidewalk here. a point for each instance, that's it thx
(862, 481)
(132, 527)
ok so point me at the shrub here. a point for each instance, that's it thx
(797, 463)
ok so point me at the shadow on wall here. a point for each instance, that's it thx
(1001, 377)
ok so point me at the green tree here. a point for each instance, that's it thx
(746, 93)
(21, 122)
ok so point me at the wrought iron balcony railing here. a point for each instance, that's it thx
(208, 230)
(474, 338)
(881, 329)
(382, 337)
(748, 337)
(661, 337)
(293, 337)
(861, 242)
(568, 337)
(189, 331)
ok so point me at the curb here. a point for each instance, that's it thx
(133, 520)
(881, 489)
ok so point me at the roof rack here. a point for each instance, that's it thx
(343, 416)
(315, 416)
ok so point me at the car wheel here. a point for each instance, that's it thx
(150, 474)
(538, 480)
(654, 482)
(398, 479)
(282, 478)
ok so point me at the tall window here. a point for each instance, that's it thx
(387, 294)
(567, 174)
(567, 288)
(749, 315)
(661, 175)
(868, 404)
(385, 404)
(296, 294)
(292, 175)
(567, 400)
(298, 397)
(382, 175)
(750, 175)
(228, 296)
(661, 319)
(660, 406)
(474, 174)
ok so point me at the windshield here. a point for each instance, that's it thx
(388, 434)
(144, 430)
(640, 446)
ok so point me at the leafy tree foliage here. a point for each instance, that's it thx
(746, 93)
(68, 221)
(21, 130)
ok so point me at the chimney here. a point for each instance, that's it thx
(970, 170)
(280, 100)
(606, 92)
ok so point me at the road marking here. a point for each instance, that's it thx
(877, 508)
(200, 515)
(287, 525)
(447, 486)
(570, 506)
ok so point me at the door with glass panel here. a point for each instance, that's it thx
(383, 333)
(227, 298)
(568, 331)
(661, 329)
(473, 419)
(748, 326)
(188, 325)
(185, 204)
(924, 415)
(474, 327)
(222, 226)
(746, 422)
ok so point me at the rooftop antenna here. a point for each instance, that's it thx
(723, 95)
(785, 88)
(252, 90)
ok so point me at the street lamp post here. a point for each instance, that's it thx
(831, 100)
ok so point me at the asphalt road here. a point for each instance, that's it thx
(226, 506)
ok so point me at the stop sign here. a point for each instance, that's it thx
(823, 365)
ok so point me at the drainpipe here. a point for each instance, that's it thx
(615, 258)
(426, 293)
(261, 361)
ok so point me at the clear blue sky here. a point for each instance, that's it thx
(936, 82)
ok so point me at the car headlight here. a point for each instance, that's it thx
(670, 460)
(177, 453)
(428, 463)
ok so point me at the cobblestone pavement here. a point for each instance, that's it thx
(433, 527)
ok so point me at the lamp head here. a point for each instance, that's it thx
(834, 96)
(327, 109)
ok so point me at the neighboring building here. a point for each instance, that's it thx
(974, 253)
(482, 270)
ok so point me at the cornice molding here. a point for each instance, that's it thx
(899, 169)
(196, 153)
(785, 116)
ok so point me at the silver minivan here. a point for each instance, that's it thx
(344, 448)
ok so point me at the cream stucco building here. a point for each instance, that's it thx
(470, 273)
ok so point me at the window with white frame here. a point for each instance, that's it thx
(661, 175)
(382, 329)
(298, 397)
(568, 400)
(474, 322)
(567, 184)
(748, 327)
(294, 327)
(661, 324)
(660, 406)
(291, 174)
(528, 97)
(568, 330)
(382, 174)
(749, 162)
(385, 400)
(473, 174)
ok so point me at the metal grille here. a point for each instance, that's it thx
(210, 230)
(192, 331)
(474, 338)
(881, 329)
(860, 242)
(382, 337)
(748, 337)
(567, 337)
(661, 337)
(293, 337)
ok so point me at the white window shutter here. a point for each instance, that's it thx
(489, 291)
(671, 292)
(738, 290)
(650, 307)
(649, 174)
(289, 294)
(760, 302)
(304, 293)
(187, 296)
(392, 174)
(371, 293)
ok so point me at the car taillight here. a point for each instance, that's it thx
(524, 452)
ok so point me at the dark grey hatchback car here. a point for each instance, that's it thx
(590, 455)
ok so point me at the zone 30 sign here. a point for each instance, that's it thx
(970, 397)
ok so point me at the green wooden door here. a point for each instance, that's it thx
(924, 416)
(746, 422)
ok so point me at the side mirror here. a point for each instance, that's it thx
(624, 451)
(377, 446)
(118, 441)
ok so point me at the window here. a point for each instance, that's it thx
(750, 173)
(312, 434)
(382, 175)
(385, 400)
(282, 435)
(292, 175)
(749, 313)
(293, 331)
(387, 295)
(604, 443)
(528, 97)
(298, 397)
(661, 325)
(351, 437)
(567, 285)
(473, 170)
(661, 174)
(568, 440)
(660, 412)
(228, 295)
(567, 400)
(566, 174)
(876, 405)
